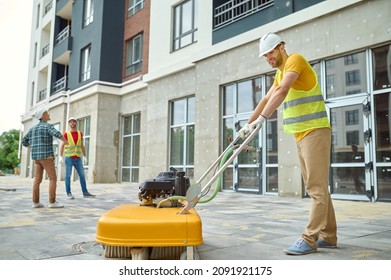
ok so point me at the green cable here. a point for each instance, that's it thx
(219, 180)
(218, 185)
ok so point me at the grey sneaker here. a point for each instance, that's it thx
(300, 247)
(56, 205)
(88, 195)
(70, 196)
(37, 205)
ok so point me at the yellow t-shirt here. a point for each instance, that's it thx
(306, 80)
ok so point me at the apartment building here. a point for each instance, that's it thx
(160, 84)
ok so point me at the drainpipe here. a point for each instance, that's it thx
(20, 139)
(68, 105)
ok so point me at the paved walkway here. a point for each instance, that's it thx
(235, 226)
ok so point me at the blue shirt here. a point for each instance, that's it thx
(40, 140)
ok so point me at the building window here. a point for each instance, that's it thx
(182, 135)
(333, 118)
(42, 94)
(38, 16)
(84, 126)
(131, 148)
(134, 54)
(238, 101)
(351, 117)
(85, 72)
(35, 54)
(351, 59)
(330, 81)
(352, 77)
(334, 138)
(32, 93)
(352, 138)
(185, 24)
(134, 6)
(346, 75)
(381, 67)
(88, 14)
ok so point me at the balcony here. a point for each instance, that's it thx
(60, 85)
(42, 95)
(45, 50)
(48, 7)
(234, 10)
(63, 47)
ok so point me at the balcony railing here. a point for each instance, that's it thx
(236, 9)
(48, 7)
(42, 94)
(62, 35)
(60, 84)
(45, 50)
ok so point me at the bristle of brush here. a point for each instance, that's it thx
(144, 253)
(167, 253)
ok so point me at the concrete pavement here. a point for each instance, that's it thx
(235, 226)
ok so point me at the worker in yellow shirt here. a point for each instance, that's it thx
(296, 87)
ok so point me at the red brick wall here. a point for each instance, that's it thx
(134, 25)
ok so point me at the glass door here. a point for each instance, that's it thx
(254, 170)
(247, 166)
(351, 165)
(382, 114)
(381, 84)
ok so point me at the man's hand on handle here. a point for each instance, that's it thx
(246, 130)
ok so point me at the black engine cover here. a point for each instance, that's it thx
(164, 185)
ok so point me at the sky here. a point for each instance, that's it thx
(15, 25)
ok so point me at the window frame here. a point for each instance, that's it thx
(133, 133)
(187, 123)
(85, 64)
(179, 19)
(134, 57)
(135, 6)
(88, 12)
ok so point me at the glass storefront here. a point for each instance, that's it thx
(357, 89)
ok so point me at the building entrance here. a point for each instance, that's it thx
(351, 172)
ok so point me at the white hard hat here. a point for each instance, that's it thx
(72, 119)
(268, 42)
(39, 112)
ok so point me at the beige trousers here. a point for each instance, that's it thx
(49, 167)
(314, 155)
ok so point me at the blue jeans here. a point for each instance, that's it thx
(78, 164)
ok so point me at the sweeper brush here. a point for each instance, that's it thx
(165, 225)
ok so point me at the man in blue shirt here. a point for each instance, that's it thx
(40, 140)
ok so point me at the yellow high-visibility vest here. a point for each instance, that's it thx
(303, 109)
(73, 149)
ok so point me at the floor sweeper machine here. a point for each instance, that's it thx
(165, 225)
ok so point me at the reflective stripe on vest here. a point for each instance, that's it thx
(306, 112)
(73, 149)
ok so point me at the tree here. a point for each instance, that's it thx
(9, 143)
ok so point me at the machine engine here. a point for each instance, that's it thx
(165, 185)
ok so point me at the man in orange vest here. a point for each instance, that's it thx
(73, 158)
(296, 87)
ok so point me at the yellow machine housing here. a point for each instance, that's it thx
(132, 225)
